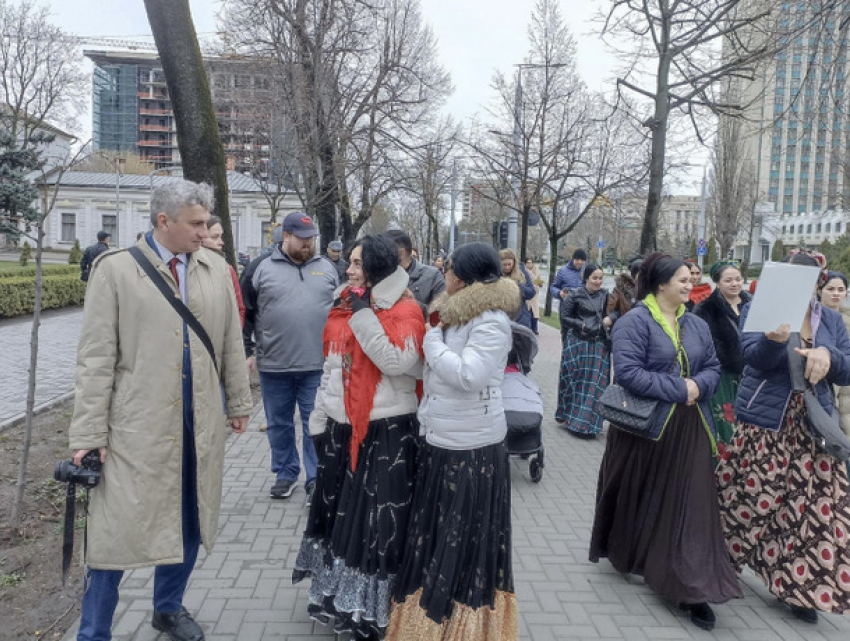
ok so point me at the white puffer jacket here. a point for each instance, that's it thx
(464, 366)
(400, 368)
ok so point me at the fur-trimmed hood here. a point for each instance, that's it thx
(473, 300)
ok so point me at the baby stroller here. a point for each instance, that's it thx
(523, 405)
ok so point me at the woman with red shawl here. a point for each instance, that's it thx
(366, 434)
(700, 290)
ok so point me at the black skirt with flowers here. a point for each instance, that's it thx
(357, 527)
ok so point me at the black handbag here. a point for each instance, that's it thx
(628, 411)
(824, 428)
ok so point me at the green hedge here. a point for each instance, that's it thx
(17, 294)
(29, 272)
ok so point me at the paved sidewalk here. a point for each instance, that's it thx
(57, 357)
(243, 590)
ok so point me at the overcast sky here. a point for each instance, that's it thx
(475, 37)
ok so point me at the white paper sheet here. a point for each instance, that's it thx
(782, 296)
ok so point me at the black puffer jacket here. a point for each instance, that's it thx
(723, 323)
(582, 312)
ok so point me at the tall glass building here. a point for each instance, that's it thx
(796, 123)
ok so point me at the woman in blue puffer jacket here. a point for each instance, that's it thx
(656, 501)
(784, 502)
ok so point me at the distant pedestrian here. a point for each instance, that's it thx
(722, 311)
(832, 294)
(285, 313)
(656, 504)
(585, 359)
(438, 264)
(215, 242)
(511, 268)
(622, 297)
(534, 303)
(569, 277)
(426, 282)
(700, 290)
(784, 500)
(367, 440)
(158, 407)
(334, 254)
(456, 580)
(92, 252)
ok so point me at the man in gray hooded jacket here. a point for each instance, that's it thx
(291, 295)
(426, 282)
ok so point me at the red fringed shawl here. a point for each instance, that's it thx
(403, 322)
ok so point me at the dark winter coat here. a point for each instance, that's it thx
(426, 282)
(582, 313)
(645, 364)
(527, 291)
(766, 385)
(723, 323)
(568, 277)
(92, 252)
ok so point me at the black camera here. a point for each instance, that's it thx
(87, 474)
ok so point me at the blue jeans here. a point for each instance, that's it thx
(281, 391)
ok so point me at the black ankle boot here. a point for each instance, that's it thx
(702, 615)
(808, 615)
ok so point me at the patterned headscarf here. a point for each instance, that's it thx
(719, 266)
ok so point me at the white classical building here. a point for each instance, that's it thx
(806, 230)
(88, 202)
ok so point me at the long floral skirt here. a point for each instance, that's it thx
(584, 376)
(357, 527)
(657, 514)
(456, 583)
(786, 512)
(723, 406)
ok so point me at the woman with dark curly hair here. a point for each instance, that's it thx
(456, 580)
(365, 430)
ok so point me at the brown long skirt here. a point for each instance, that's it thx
(657, 512)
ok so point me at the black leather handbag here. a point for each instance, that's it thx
(825, 428)
(627, 411)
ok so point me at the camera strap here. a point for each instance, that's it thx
(176, 302)
(68, 530)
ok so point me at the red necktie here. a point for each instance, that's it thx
(172, 265)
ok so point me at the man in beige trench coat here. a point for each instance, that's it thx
(149, 399)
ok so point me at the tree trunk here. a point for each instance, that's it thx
(658, 125)
(20, 490)
(201, 151)
(553, 266)
(524, 232)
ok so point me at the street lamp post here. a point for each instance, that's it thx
(701, 221)
(452, 219)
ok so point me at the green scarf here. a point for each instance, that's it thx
(654, 308)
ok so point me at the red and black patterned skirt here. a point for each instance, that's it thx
(786, 512)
